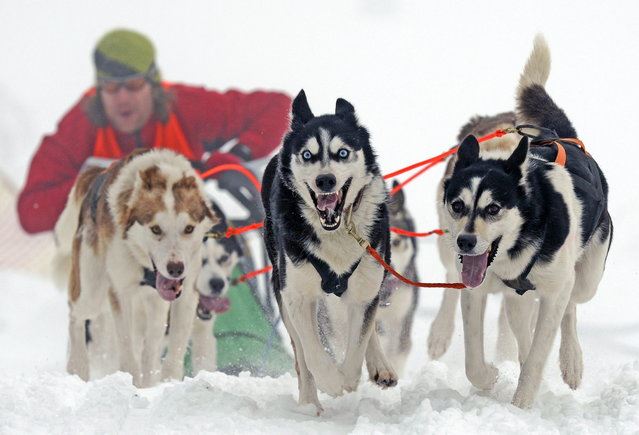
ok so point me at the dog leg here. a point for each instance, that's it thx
(78, 361)
(506, 347)
(442, 328)
(551, 311)
(379, 369)
(305, 381)
(479, 373)
(182, 317)
(519, 310)
(361, 319)
(122, 308)
(204, 346)
(155, 311)
(570, 356)
(302, 312)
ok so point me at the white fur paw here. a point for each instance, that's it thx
(523, 400)
(171, 371)
(439, 338)
(484, 378)
(78, 368)
(571, 365)
(330, 383)
(309, 398)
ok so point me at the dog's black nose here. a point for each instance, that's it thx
(217, 285)
(326, 182)
(466, 242)
(175, 268)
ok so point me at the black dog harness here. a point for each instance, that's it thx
(332, 282)
(586, 182)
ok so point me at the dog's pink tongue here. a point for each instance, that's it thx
(474, 269)
(169, 289)
(216, 304)
(327, 201)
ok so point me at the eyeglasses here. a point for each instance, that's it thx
(131, 85)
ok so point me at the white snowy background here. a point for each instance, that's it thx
(415, 71)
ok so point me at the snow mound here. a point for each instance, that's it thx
(436, 400)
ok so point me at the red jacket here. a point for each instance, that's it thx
(257, 120)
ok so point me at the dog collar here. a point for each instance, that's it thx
(148, 278)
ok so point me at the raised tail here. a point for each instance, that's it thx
(534, 105)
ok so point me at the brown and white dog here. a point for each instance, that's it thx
(137, 247)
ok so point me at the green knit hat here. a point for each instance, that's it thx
(122, 53)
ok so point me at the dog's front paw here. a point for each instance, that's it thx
(439, 338)
(571, 364)
(330, 383)
(384, 378)
(483, 378)
(171, 371)
(310, 398)
(522, 399)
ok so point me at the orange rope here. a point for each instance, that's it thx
(252, 274)
(231, 231)
(407, 233)
(380, 260)
(233, 167)
(435, 160)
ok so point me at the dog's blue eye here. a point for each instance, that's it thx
(306, 155)
(343, 153)
(223, 259)
(155, 229)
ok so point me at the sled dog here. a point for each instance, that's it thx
(324, 178)
(137, 238)
(219, 257)
(532, 223)
(443, 326)
(398, 301)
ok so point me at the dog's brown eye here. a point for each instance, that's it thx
(155, 229)
(396, 242)
(188, 229)
(493, 209)
(457, 206)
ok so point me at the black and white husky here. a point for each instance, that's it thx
(398, 301)
(325, 172)
(219, 257)
(523, 224)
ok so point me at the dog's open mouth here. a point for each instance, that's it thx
(216, 304)
(169, 289)
(329, 206)
(474, 266)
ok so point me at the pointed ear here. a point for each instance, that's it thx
(345, 110)
(468, 152)
(518, 157)
(396, 202)
(301, 110)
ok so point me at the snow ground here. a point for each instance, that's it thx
(415, 72)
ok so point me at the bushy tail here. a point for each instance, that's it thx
(534, 105)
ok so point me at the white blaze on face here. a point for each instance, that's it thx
(217, 267)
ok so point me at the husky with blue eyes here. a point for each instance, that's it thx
(324, 179)
(531, 223)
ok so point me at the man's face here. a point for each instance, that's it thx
(128, 104)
